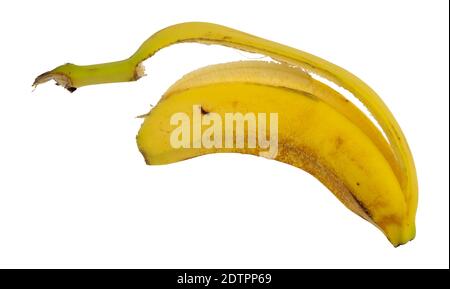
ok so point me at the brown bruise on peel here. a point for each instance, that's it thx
(389, 220)
(339, 141)
(305, 159)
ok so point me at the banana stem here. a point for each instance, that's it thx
(73, 76)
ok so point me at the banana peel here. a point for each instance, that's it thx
(320, 131)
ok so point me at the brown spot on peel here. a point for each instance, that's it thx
(203, 110)
(339, 142)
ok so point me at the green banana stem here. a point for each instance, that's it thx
(72, 76)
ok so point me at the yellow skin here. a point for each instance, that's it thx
(315, 134)
(396, 153)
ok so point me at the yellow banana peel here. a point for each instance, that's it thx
(319, 130)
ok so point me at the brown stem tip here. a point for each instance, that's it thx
(60, 79)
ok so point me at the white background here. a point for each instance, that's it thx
(75, 191)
